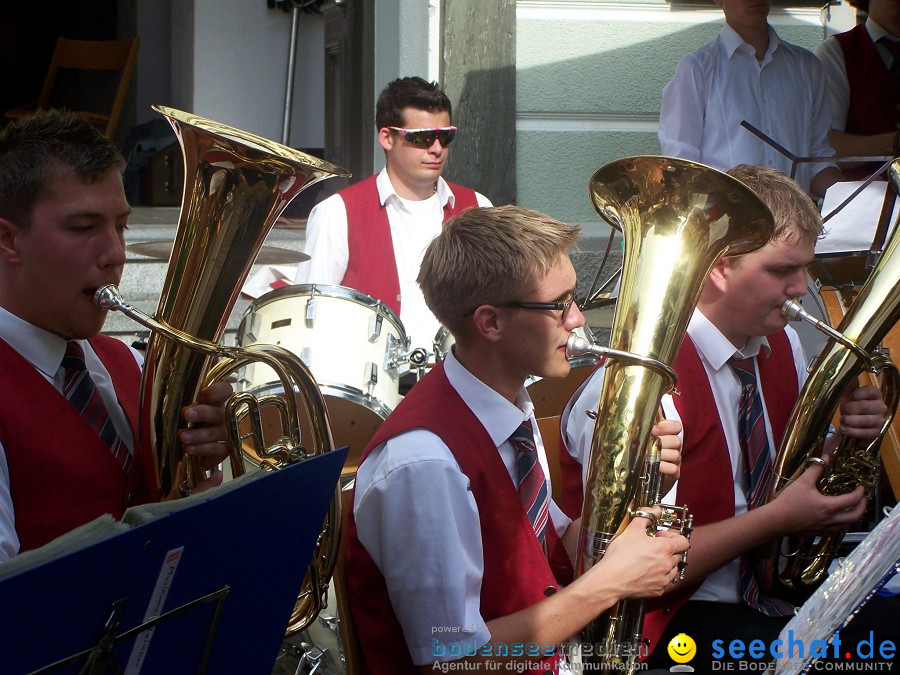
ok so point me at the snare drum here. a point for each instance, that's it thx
(354, 345)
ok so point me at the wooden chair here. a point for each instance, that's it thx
(108, 55)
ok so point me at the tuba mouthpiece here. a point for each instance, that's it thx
(577, 345)
(108, 297)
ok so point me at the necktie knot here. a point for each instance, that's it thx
(73, 359)
(523, 437)
(893, 46)
(745, 370)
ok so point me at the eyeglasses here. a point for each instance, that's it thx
(425, 138)
(564, 306)
(557, 305)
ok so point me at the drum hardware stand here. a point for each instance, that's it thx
(101, 657)
(310, 317)
(372, 377)
(396, 356)
(375, 325)
(333, 624)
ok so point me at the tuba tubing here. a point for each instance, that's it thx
(797, 565)
(236, 184)
(677, 219)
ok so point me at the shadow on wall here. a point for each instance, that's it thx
(484, 150)
(575, 114)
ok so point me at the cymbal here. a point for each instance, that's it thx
(268, 255)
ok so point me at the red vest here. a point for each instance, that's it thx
(371, 267)
(706, 485)
(61, 474)
(516, 573)
(874, 97)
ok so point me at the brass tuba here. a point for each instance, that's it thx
(796, 565)
(236, 186)
(677, 219)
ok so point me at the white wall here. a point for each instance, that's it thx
(407, 39)
(229, 62)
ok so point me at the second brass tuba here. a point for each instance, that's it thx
(795, 566)
(236, 186)
(677, 219)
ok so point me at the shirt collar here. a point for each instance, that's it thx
(498, 416)
(876, 31)
(731, 42)
(715, 347)
(43, 349)
(386, 190)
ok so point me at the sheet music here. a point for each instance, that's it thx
(853, 228)
(845, 590)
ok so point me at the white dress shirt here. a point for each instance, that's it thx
(722, 83)
(413, 226)
(714, 350)
(45, 352)
(831, 55)
(416, 516)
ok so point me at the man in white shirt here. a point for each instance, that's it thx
(862, 67)
(447, 560)
(372, 235)
(69, 445)
(739, 315)
(747, 73)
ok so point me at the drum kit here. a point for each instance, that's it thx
(357, 349)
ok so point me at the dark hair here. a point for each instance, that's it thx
(35, 149)
(409, 92)
(861, 5)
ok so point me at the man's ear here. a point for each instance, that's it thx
(718, 277)
(385, 138)
(8, 237)
(488, 322)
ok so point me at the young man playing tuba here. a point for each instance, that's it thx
(457, 554)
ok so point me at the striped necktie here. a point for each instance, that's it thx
(79, 389)
(531, 483)
(757, 460)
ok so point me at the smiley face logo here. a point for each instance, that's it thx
(682, 648)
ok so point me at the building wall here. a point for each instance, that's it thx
(229, 62)
(589, 79)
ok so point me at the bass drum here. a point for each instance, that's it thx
(354, 345)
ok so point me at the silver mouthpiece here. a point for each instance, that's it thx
(108, 298)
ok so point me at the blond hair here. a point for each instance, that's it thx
(794, 212)
(490, 256)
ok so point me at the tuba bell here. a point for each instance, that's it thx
(236, 186)
(677, 219)
(797, 565)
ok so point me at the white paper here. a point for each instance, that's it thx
(853, 228)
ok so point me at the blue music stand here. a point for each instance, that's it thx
(208, 587)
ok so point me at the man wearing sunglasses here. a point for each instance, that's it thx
(372, 235)
(456, 551)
